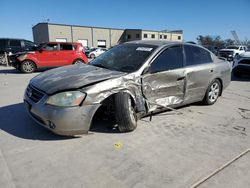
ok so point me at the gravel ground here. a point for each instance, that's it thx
(173, 150)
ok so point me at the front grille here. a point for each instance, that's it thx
(34, 94)
(225, 53)
(245, 61)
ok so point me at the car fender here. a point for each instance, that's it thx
(98, 92)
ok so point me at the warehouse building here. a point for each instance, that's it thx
(98, 36)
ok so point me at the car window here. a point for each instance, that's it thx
(66, 47)
(50, 47)
(196, 55)
(16, 43)
(171, 58)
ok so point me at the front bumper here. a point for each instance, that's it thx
(241, 68)
(63, 121)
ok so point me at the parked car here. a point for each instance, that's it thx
(96, 52)
(231, 51)
(87, 51)
(242, 64)
(52, 54)
(13, 46)
(130, 80)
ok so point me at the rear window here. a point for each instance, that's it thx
(196, 55)
(66, 47)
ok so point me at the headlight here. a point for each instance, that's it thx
(67, 99)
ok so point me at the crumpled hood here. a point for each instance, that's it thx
(71, 77)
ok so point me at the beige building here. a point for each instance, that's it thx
(98, 36)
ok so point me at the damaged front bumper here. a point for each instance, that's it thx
(63, 121)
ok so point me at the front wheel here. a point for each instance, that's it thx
(212, 93)
(125, 112)
(27, 66)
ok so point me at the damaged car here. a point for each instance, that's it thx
(131, 80)
(241, 65)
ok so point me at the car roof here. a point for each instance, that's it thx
(156, 42)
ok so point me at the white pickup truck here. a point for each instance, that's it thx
(231, 51)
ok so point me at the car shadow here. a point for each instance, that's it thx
(9, 71)
(14, 120)
(100, 125)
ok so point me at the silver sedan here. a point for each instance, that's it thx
(127, 82)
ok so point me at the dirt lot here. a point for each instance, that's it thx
(173, 150)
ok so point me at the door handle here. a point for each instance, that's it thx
(180, 78)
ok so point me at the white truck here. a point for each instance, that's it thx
(231, 51)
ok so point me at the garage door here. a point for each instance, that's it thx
(101, 43)
(61, 40)
(83, 41)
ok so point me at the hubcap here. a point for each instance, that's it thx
(213, 92)
(28, 66)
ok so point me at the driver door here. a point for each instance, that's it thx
(164, 83)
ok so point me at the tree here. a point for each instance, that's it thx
(209, 40)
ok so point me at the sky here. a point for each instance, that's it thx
(194, 17)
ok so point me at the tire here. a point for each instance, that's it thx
(213, 92)
(27, 66)
(78, 61)
(125, 113)
(92, 56)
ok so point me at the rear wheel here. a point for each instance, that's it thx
(78, 61)
(92, 56)
(125, 112)
(212, 93)
(27, 66)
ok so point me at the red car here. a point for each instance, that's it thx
(52, 54)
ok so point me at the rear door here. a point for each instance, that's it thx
(49, 55)
(200, 70)
(67, 54)
(164, 83)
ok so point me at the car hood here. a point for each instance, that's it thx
(245, 54)
(71, 77)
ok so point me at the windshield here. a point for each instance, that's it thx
(233, 47)
(124, 58)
